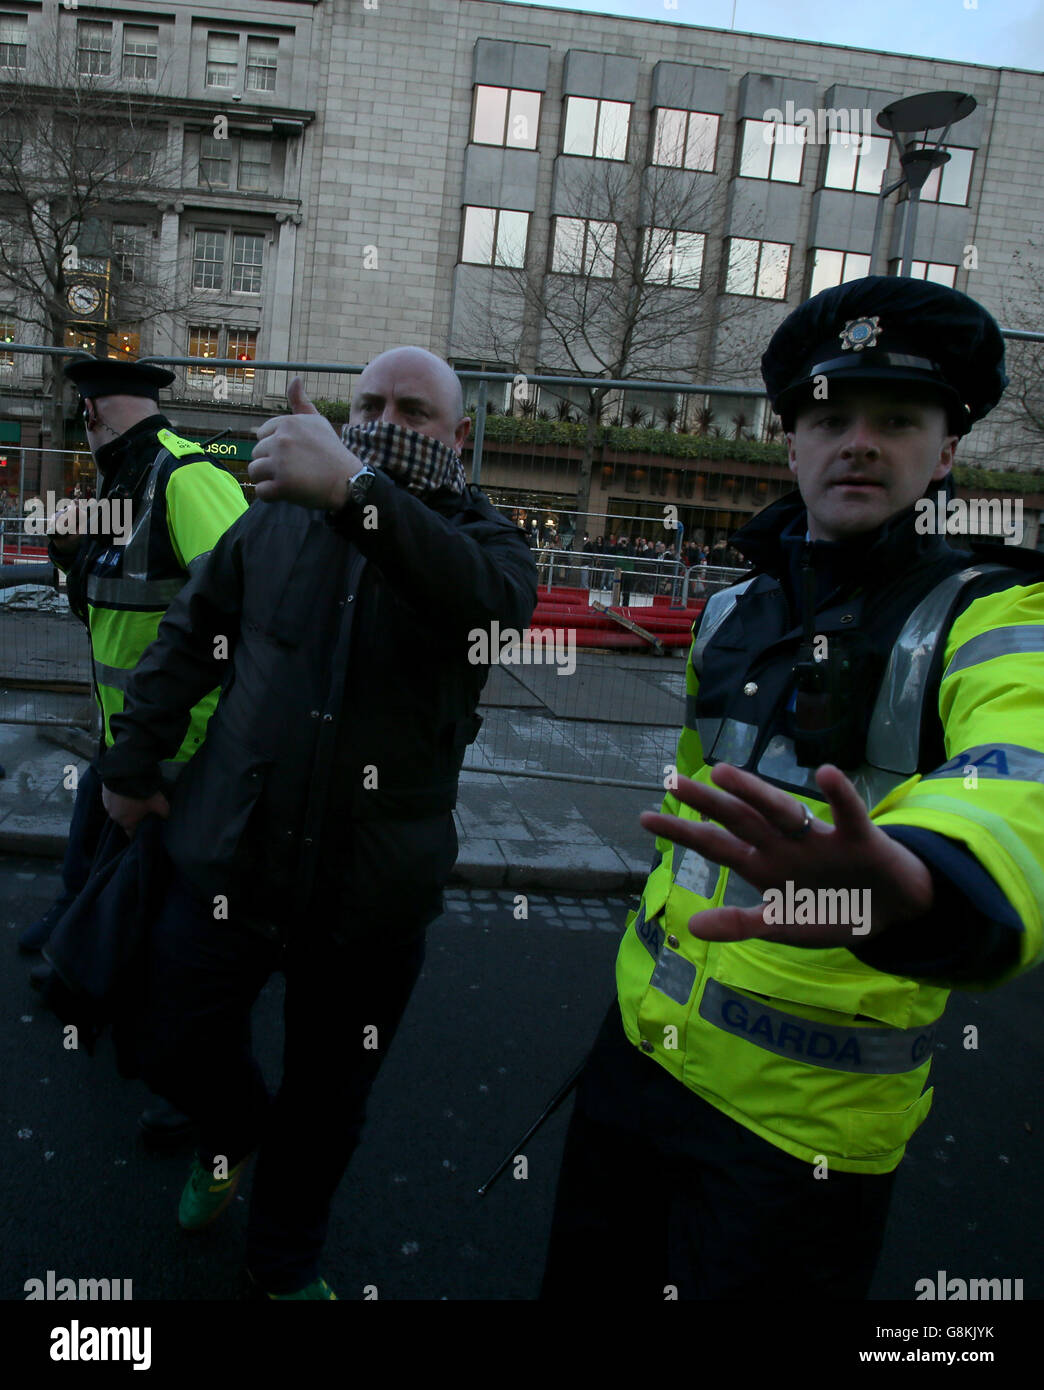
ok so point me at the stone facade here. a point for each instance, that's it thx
(369, 121)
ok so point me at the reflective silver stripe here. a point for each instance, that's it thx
(718, 608)
(706, 728)
(1012, 760)
(872, 1051)
(1000, 641)
(141, 593)
(117, 677)
(734, 742)
(708, 732)
(674, 976)
(689, 869)
(779, 761)
(136, 551)
(740, 893)
(894, 735)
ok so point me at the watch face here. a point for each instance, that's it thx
(84, 299)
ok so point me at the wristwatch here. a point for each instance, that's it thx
(360, 483)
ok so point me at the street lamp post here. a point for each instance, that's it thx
(925, 112)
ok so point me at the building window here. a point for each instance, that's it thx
(950, 184)
(7, 335)
(584, 247)
(140, 47)
(14, 39)
(212, 340)
(494, 236)
(674, 258)
(856, 164)
(255, 165)
(505, 116)
(685, 139)
(242, 344)
(261, 64)
(235, 163)
(208, 262)
(836, 268)
(77, 336)
(125, 343)
(204, 341)
(596, 128)
(928, 270)
(129, 251)
(93, 47)
(771, 150)
(11, 142)
(757, 268)
(247, 258)
(139, 150)
(215, 162)
(222, 59)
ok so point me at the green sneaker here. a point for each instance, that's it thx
(320, 1289)
(205, 1197)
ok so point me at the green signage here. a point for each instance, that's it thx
(231, 448)
(10, 432)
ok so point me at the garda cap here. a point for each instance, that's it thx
(889, 328)
(104, 377)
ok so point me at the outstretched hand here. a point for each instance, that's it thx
(755, 838)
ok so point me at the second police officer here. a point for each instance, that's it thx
(864, 716)
(178, 502)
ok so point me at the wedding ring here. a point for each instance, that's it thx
(803, 829)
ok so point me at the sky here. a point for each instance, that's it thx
(999, 33)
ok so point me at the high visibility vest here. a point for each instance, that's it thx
(179, 508)
(815, 1051)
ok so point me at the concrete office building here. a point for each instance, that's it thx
(390, 171)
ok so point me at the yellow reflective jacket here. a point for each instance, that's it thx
(181, 501)
(816, 1050)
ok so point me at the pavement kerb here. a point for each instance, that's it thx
(554, 874)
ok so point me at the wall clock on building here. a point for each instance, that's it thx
(84, 299)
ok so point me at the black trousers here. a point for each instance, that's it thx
(661, 1192)
(343, 1006)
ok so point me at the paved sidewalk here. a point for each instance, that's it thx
(615, 718)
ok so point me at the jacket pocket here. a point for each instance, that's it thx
(824, 990)
(873, 1132)
(214, 800)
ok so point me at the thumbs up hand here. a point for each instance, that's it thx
(298, 457)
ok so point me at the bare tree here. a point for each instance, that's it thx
(83, 158)
(626, 291)
(1019, 418)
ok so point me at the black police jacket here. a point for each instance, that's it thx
(864, 590)
(342, 652)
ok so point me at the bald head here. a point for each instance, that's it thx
(411, 387)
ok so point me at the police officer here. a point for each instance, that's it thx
(827, 869)
(168, 502)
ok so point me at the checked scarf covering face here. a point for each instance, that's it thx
(421, 464)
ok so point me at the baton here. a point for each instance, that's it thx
(549, 1109)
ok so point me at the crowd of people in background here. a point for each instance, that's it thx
(635, 557)
(9, 500)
